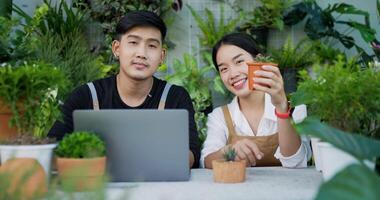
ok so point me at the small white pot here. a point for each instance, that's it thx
(316, 153)
(42, 153)
(335, 160)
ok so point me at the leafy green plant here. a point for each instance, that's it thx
(269, 14)
(81, 144)
(6, 8)
(229, 154)
(322, 23)
(294, 56)
(213, 31)
(324, 53)
(60, 18)
(17, 44)
(30, 91)
(343, 95)
(60, 40)
(197, 81)
(72, 55)
(356, 181)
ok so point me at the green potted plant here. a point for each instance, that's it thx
(321, 24)
(267, 15)
(291, 58)
(81, 161)
(28, 95)
(349, 182)
(257, 64)
(344, 96)
(212, 30)
(228, 170)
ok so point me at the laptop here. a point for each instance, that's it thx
(141, 145)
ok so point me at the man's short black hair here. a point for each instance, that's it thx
(139, 18)
(241, 40)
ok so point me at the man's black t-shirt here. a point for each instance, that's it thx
(109, 98)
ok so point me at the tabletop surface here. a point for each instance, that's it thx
(261, 183)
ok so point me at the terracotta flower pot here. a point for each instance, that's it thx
(229, 172)
(24, 177)
(81, 174)
(6, 132)
(252, 67)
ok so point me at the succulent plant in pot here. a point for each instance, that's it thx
(257, 64)
(228, 170)
(81, 161)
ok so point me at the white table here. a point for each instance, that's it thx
(261, 183)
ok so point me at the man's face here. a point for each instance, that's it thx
(140, 52)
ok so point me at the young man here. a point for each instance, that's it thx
(138, 46)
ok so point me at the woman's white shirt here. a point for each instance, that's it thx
(217, 131)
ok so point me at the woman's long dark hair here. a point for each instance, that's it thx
(241, 40)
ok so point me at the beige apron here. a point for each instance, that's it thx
(267, 144)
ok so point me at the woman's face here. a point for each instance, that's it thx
(232, 64)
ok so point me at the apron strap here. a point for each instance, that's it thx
(227, 117)
(164, 95)
(94, 96)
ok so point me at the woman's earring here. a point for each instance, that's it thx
(116, 56)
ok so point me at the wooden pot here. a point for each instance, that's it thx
(81, 174)
(252, 67)
(229, 172)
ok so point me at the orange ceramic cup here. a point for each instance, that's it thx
(252, 67)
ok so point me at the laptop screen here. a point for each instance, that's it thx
(141, 145)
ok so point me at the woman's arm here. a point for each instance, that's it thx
(271, 82)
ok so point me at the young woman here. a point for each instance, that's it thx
(257, 123)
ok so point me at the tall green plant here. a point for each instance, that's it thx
(60, 19)
(294, 56)
(269, 14)
(30, 91)
(18, 44)
(213, 31)
(72, 55)
(59, 36)
(197, 81)
(343, 95)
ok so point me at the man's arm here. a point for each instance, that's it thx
(78, 99)
(191, 159)
(179, 98)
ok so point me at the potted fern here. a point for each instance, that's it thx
(28, 95)
(291, 58)
(228, 170)
(259, 61)
(81, 161)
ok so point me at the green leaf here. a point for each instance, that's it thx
(357, 145)
(367, 33)
(344, 8)
(354, 182)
